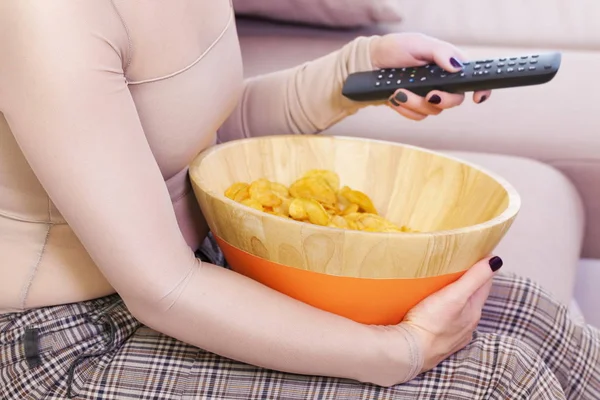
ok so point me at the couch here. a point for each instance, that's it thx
(544, 139)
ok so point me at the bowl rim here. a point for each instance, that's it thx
(511, 211)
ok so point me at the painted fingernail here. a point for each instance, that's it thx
(401, 97)
(483, 98)
(455, 63)
(435, 99)
(495, 263)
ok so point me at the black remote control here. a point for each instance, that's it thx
(503, 72)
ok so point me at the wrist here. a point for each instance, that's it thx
(396, 356)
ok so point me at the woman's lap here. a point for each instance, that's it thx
(525, 344)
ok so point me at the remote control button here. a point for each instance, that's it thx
(411, 80)
(380, 77)
(513, 58)
(533, 62)
(399, 81)
(382, 71)
(532, 68)
(511, 63)
(488, 66)
(499, 71)
(521, 69)
(501, 64)
(388, 83)
(423, 79)
(547, 66)
(467, 63)
(502, 59)
(442, 75)
(535, 56)
(480, 62)
(486, 72)
(377, 83)
(522, 62)
(477, 67)
(510, 69)
(524, 57)
(462, 74)
(390, 75)
(403, 69)
(489, 61)
(393, 70)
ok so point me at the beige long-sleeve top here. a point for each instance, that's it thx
(103, 105)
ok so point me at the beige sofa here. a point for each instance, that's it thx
(544, 139)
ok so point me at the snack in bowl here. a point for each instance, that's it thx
(457, 213)
(316, 198)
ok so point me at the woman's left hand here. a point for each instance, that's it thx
(415, 49)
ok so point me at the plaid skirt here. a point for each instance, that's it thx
(526, 347)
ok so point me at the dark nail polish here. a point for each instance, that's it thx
(435, 99)
(455, 63)
(394, 102)
(496, 263)
(483, 98)
(401, 97)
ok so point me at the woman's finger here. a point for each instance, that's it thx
(444, 54)
(480, 296)
(405, 112)
(481, 96)
(406, 99)
(475, 277)
(444, 100)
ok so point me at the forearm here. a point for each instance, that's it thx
(230, 315)
(302, 100)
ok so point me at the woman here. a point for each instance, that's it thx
(102, 296)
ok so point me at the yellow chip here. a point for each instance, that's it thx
(315, 188)
(308, 209)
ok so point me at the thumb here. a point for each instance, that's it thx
(442, 53)
(475, 278)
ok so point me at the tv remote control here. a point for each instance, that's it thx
(485, 74)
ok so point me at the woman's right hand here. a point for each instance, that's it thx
(444, 322)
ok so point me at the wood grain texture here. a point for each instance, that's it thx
(461, 210)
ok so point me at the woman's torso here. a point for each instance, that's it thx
(184, 73)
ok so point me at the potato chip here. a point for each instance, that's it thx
(253, 203)
(261, 191)
(238, 191)
(314, 198)
(359, 198)
(332, 179)
(309, 210)
(314, 187)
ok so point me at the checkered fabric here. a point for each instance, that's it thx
(526, 347)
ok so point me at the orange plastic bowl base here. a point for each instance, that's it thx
(368, 301)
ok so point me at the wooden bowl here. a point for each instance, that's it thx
(460, 210)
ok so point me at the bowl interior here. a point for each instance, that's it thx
(410, 186)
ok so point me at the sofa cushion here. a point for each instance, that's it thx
(563, 24)
(331, 13)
